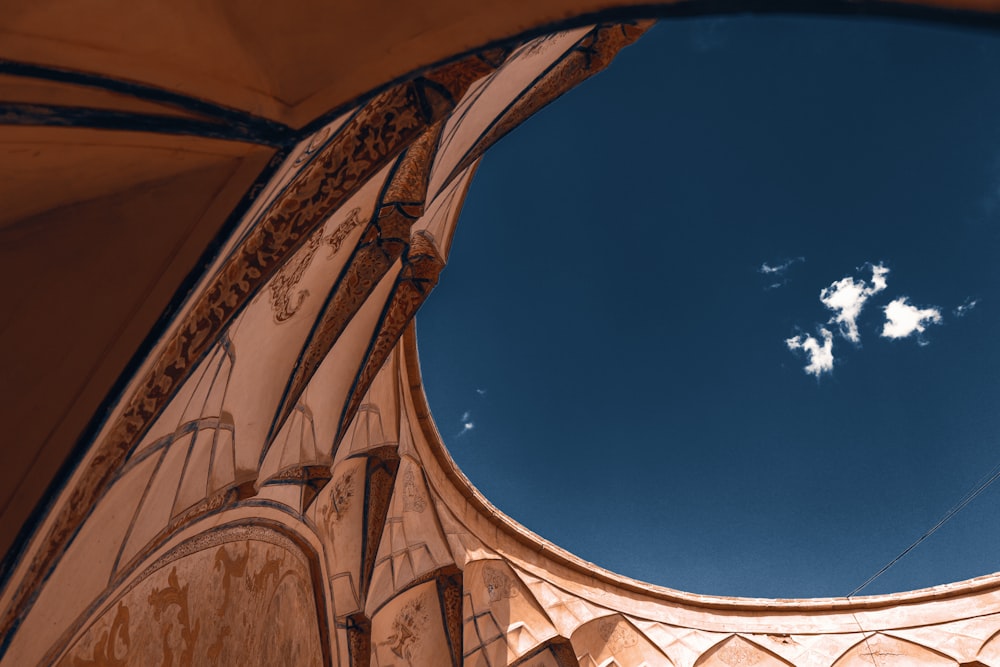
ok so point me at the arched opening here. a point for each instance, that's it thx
(607, 355)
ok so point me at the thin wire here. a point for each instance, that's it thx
(973, 493)
(865, 635)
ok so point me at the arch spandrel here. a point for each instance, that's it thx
(882, 649)
(737, 651)
(613, 640)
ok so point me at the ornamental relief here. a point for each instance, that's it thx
(245, 602)
(498, 585)
(340, 499)
(316, 142)
(617, 634)
(413, 497)
(408, 627)
(285, 302)
(738, 655)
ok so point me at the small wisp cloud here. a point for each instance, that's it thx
(903, 320)
(966, 306)
(467, 424)
(776, 272)
(466, 420)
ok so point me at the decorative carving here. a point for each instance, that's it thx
(161, 600)
(498, 584)
(289, 275)
(112, 647)
(738, 654)
(247, 602)
(407, 628)
(336, 238)
(315, 142)
(413, 499)
(229, 568)
(287, 278)
(617, 634)
(340, 498)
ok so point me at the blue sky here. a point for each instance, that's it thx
(612, 364)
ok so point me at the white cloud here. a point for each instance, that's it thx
(968, 305)
(776, 272)
(879, 273)
(467, 423)
(780, 267)
(820, 356)
(902, 319)
(846, 298)
(481, 392)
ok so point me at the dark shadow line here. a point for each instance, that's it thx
(256, 125)
(16, 113)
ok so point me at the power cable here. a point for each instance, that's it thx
(981, 486)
